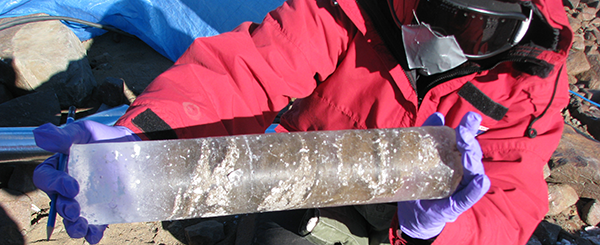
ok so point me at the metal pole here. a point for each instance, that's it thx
(17, 144)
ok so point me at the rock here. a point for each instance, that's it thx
(574, 23)
(593, 240)
(17, 207)
(594, 60)
(591, 213)
(592, 234)
(569, 220)
(572, 80)
(595, 22)
(9, 230)
(574, 241)
(7, 77)
(596, 33)
(547, 171)
(588, 78)
(576, 162)
(577, 63)
(100, 61)
(245, 229)
(110, 92)
(590, 3)
(564, 242)
(5, 173)
(547, 233)
(595, 96)
(560, 197)
(593, 47)
(39, 200)
(30, 110)
(583, 241)
(22, 178)
(534, 241)
(588, 12)
(588, 115)
(7, 72)
(571, 3)
(593, 122)
(586, 93)
(5, 94)
(578, 43)
(47, 55)
(114, 92)
(205, 233)
(130, 60)
(129, 94)
(589, 35)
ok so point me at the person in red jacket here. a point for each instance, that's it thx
(492, 69)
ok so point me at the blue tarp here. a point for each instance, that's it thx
(168, 26)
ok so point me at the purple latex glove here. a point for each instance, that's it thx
(425, 219)
(52, 181)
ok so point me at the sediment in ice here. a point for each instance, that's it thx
(177, 179)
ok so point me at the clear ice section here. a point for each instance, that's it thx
(177, 179)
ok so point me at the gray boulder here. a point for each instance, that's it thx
(47, 55)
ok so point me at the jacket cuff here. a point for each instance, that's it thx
(397, 237)
(415, 241)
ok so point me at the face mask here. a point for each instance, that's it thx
(429, 51)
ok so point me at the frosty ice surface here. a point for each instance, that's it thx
(177, 179)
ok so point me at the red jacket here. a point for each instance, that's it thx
(331, 55)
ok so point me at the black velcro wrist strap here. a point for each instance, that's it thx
(414, 241)
(153, 126)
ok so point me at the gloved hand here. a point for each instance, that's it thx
(425, 219)
(52, 181)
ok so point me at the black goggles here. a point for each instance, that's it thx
(481, 28)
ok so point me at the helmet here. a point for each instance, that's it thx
(482, 28)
